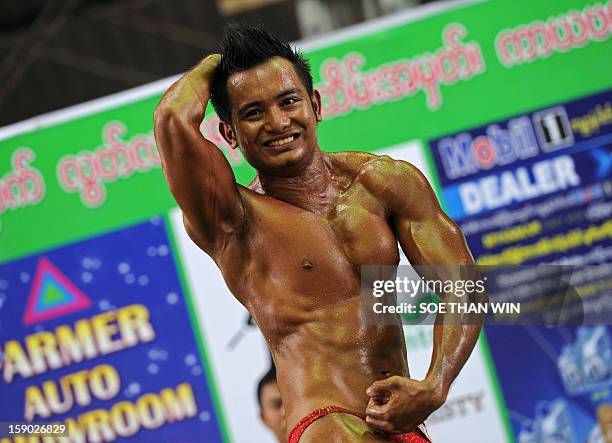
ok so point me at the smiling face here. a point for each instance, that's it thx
(274, 121)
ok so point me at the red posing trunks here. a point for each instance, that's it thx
(298, 430)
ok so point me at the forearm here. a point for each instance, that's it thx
(453, 344)
(398, 404)
(455, 336)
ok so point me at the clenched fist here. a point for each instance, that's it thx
(399, 404)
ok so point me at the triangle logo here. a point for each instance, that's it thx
(52, 295)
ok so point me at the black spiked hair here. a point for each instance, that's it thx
(243, 47)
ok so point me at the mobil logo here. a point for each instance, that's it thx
(469, 153)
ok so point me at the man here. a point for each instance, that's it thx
(271, 409)
(290, 246)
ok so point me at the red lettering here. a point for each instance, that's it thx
(484, 152)
(346, 87)
(572, 30)
(23, 185)
(88, 172)
(580, 28)
(598, 23)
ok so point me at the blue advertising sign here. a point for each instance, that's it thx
(533, 189)
(97, 335)
(569, 392)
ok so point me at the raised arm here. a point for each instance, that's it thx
(428, 237)
(197, 172)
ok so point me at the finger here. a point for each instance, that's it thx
(381, 409)
(376, 411)
(381, 425)
(380, 388)
(377, 393)
(213, 58)
(210, 63)
(379, 399)
(389, 383)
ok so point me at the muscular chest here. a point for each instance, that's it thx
(310, 254)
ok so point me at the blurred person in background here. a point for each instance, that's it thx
(271, 409)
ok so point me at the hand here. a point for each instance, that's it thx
(199, 80)
(399, 404)
(207, 66)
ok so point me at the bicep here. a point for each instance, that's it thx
(434, 240)
(426, 234)
(200, 179)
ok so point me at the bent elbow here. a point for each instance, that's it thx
(164, 115)
(169, 122)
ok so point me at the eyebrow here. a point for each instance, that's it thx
(256, 102)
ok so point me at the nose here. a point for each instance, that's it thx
(277, 121)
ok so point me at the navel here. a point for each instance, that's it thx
(307, 264)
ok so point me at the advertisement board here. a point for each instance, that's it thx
(537, 188)
(88, 340)
(504, 105)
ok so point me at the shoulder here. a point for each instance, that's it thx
(382, 172)
(366, 165)
(349, 162)
(396, 183)
(400, 185)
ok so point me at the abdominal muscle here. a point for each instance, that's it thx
(331, 358)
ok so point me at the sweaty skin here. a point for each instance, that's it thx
(291, 245)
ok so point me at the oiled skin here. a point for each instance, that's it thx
(310, 316)
(290, 246)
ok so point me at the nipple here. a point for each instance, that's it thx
(307, 264)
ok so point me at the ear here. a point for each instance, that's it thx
(316, 104)
(228, 135)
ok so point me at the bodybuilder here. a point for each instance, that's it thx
(290, 246)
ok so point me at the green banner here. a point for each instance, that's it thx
(472, 64)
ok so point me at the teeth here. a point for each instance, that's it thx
(283, 141)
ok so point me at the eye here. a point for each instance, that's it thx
(251, 113)
(290, 101)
